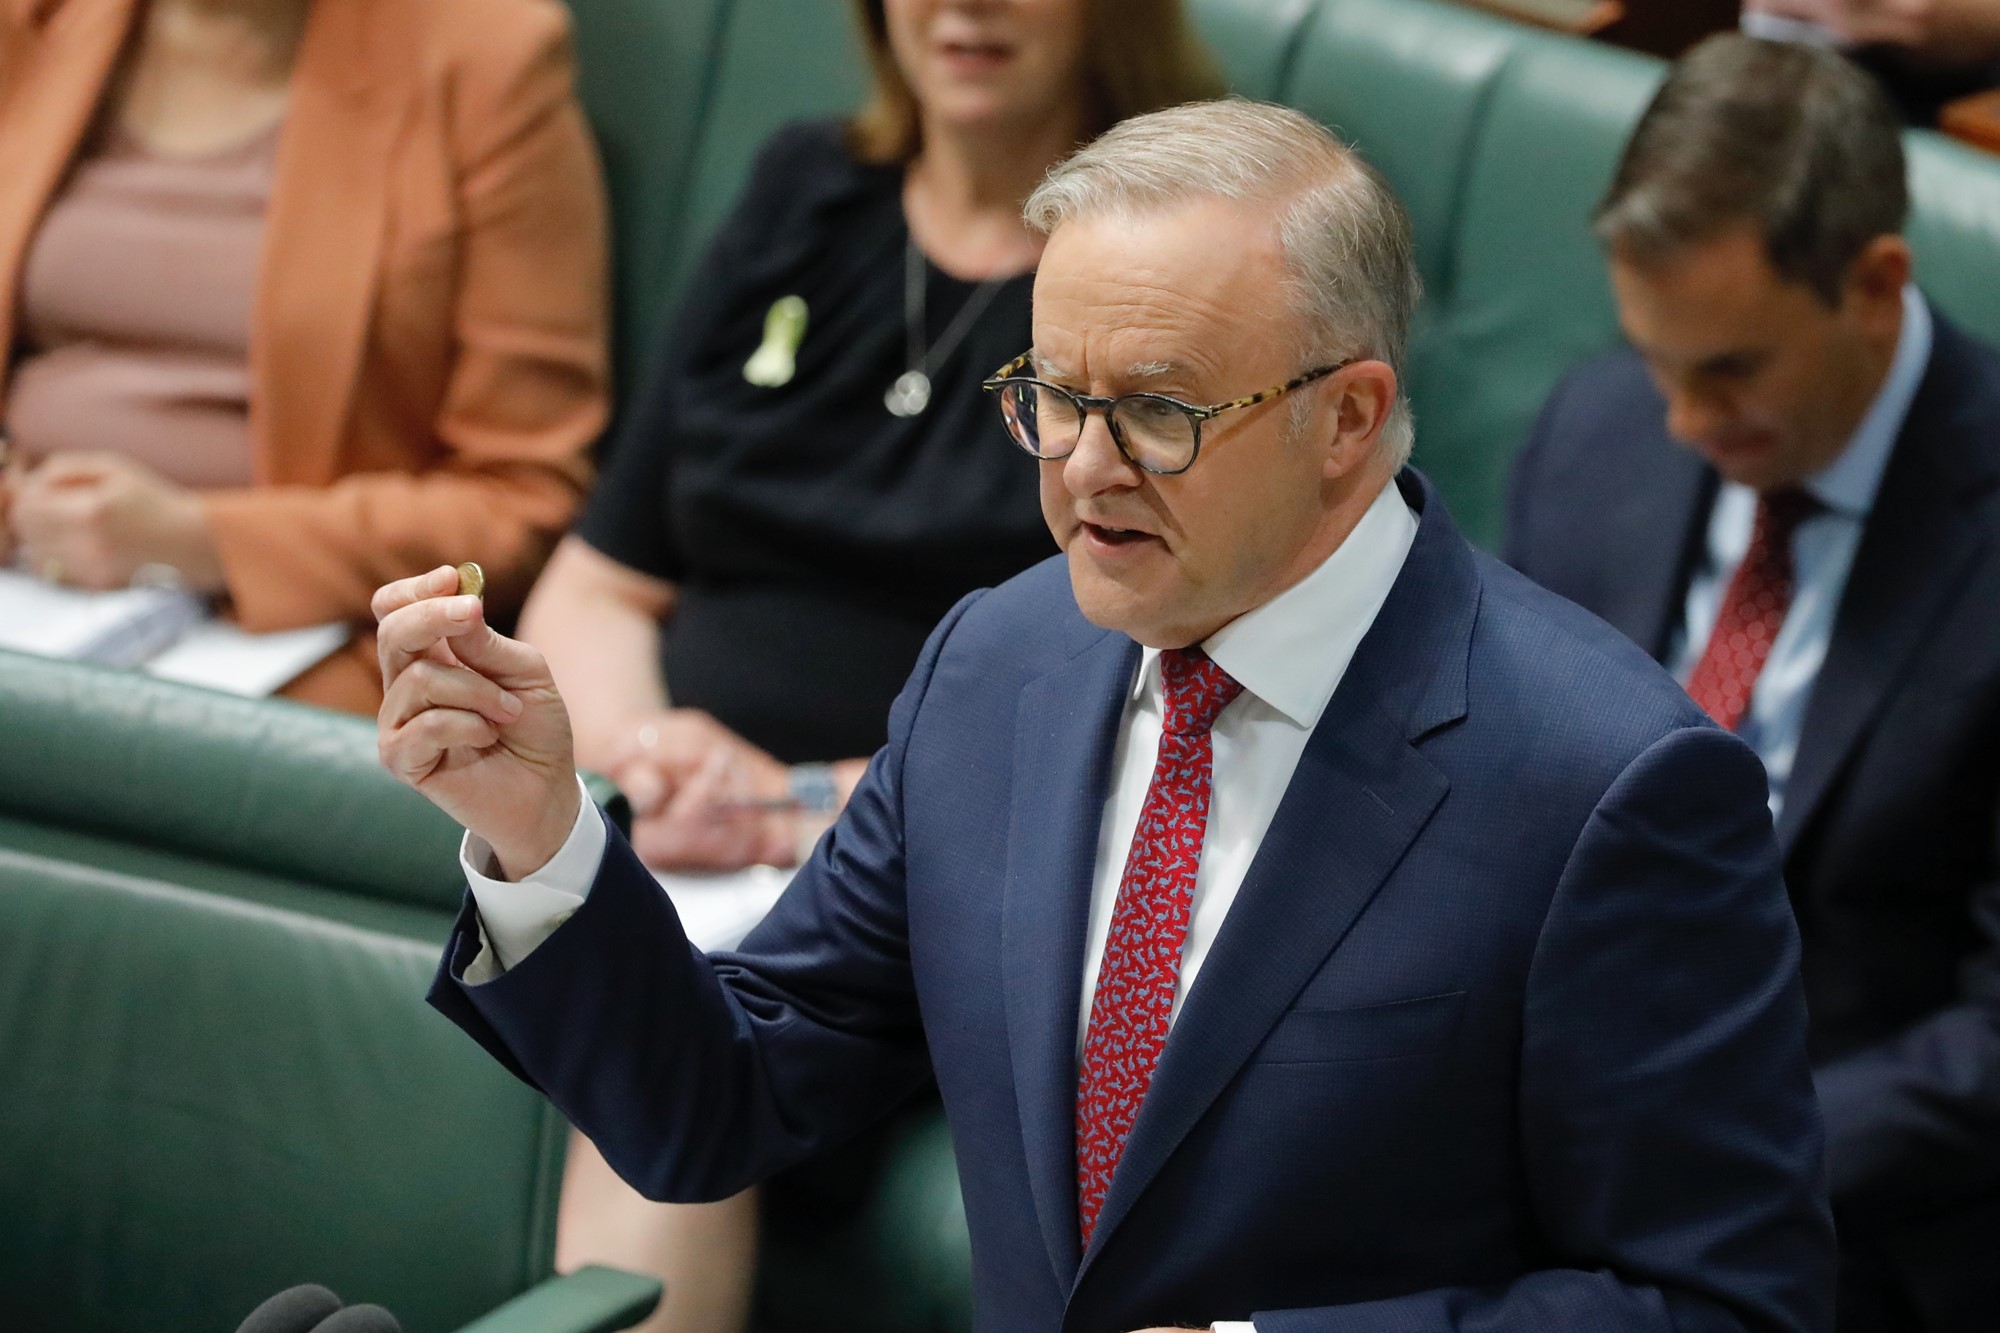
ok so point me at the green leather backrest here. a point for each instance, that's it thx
(263, 784)
(645, 69)
(1255, 41)
(209, 1098)
(1955, 230)
(1406, 82)
(778, 61)
(1498, 139)
(1524, 296)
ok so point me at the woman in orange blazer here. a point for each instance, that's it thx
(425, 337)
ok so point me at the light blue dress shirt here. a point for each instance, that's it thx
(1822, 554)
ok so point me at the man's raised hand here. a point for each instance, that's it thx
(471, 719)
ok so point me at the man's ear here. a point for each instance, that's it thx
(1875, 281)
(1360, 399)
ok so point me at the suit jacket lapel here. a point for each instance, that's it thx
(323, 242)
(1361, 794)
(1064, 743)
(65, 60)
(1919, 535)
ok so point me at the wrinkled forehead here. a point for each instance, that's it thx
(1187, 291)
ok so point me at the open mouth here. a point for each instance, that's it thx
(973, 56)
(1116, 537)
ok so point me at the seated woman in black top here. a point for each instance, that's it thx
(814, 478)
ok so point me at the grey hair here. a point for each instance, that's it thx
(1349, 255)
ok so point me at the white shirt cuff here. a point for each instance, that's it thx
(516, 916)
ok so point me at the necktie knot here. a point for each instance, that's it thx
(1197, 690)
(1779, 514)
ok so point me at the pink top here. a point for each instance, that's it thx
(135, 311)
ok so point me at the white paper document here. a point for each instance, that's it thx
(717, 911)
(165, 631)
(219, 656)
(118, 629)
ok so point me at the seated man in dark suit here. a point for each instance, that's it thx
(1310, 923)
(1788, 491)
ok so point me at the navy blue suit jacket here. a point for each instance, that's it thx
(1503, 1032)
(1891, 824)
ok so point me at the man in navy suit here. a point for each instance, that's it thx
(1309, 923)
(1788, 490)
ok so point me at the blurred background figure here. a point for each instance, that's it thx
(295, 296)
(1784, 490)
(1926, 52)
(813, 477)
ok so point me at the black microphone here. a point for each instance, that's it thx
(360, 1319)
(294, 1310)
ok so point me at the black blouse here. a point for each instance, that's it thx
(815, 538)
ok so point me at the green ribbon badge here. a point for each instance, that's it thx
(776, 361)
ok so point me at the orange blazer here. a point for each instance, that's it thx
(427, 349)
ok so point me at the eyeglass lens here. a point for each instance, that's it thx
(1048, 422)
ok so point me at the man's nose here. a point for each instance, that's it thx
(1098, 465)
(1694, 417)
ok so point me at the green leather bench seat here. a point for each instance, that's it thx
(217, 920)
(222, 1083)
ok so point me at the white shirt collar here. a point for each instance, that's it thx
(1292, 651)
(1848, 484)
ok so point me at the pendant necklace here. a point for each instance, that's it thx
(911, 393)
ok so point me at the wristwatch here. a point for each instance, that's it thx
(813, 789)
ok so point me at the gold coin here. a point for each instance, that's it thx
(471, 580)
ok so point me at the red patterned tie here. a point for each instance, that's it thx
(1142, 957)
(1753, 610)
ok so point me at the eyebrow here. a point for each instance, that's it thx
(1138, 370)
(1047, 369)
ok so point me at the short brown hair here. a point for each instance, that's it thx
(1789, 138)
(1139, 56)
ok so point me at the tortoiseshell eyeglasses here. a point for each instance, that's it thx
(1160, 435)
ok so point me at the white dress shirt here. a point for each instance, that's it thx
(1822, 555)
(1289, 655)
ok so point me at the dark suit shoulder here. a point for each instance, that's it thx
(1608, 386)
(1026, 626)
(1596, 417)
(1960, 400)
(1551, 670)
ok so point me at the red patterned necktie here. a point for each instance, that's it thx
(1142, 956)
(1753, 610)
